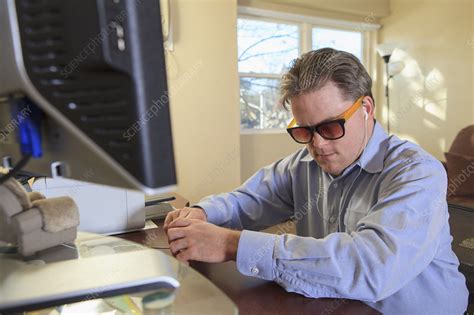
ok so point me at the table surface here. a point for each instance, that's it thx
(95, 265)
(252, 295)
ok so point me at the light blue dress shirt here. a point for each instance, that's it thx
(378, 233)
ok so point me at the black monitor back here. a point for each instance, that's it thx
(97, 68)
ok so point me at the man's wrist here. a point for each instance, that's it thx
(232, 244)
(202, 210)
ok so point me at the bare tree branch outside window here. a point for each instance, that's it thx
(265, 50)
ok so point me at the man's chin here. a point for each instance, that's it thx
(329, 168)
(332, 171)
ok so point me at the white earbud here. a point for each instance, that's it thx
(366, 115)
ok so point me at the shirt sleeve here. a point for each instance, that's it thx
(265, 199)
(391, 245)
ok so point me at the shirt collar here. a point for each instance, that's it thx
(307, 157)
(373, 156)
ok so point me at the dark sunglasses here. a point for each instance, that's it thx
(330, 130)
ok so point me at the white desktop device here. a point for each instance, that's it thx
(102, 209)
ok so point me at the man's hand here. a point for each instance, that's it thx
(193, 239)
(190, 213)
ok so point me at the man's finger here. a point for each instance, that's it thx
(170, 217)
(185, 212)
(183, 256)
(176, 233)
(179, 222)
(178, 245)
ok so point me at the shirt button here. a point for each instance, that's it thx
(255, 270)
(335, 185)
(332, 219)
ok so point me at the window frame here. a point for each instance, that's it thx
(306, 25)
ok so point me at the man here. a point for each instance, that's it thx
(370, 209)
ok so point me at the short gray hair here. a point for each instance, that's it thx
(312, 70)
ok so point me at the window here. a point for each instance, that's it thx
(341, 40)
(266, 47)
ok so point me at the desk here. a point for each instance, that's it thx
(253, 295)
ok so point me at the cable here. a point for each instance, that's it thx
(359, 155)
(364, 145)
(29, 118)
(362, 148)
(24, 160)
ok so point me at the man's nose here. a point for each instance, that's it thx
(319, 141)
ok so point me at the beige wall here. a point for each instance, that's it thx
(258, 150)
(432, 99)
(202, 74)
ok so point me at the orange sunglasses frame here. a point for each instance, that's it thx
(345, 116)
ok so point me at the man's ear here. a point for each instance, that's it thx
(368, 105)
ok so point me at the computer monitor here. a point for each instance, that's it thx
(89, 78)
(96, 71)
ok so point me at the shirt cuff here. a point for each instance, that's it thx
(255, 254)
